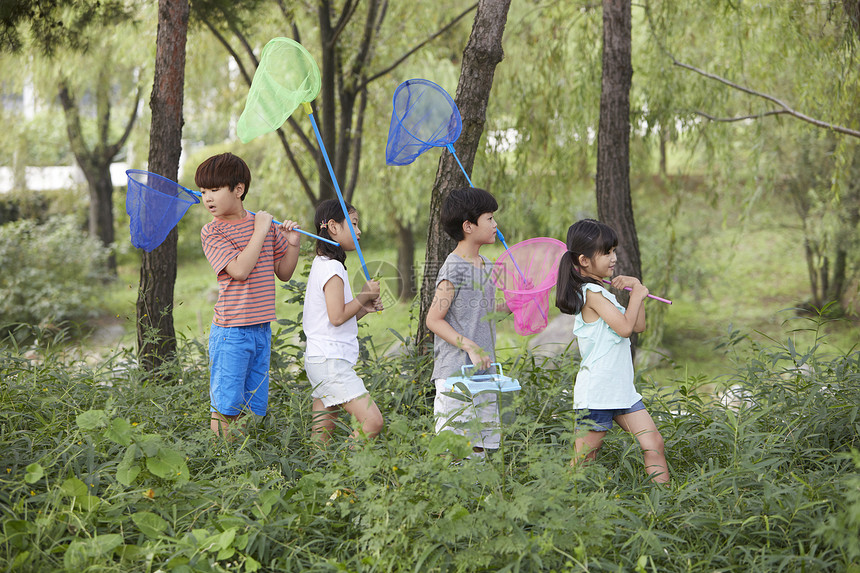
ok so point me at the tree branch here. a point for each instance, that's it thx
(128, 126)
(784, 108)
(306, 187)
(740, 117)
(220, 37)
(438, 33)
(346, 15)
(73, 120)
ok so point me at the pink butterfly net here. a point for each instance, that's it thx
(525, 274)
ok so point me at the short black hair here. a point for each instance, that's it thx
(465, 204)
(224, 169)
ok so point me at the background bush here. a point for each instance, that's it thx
(51, 272)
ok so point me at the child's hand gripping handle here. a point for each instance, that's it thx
(657, 298)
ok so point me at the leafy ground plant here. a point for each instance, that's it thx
(107, 470)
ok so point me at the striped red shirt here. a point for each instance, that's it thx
(248, 302)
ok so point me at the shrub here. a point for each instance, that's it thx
(106, 471)
(51, 272)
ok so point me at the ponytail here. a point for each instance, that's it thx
(588, 238)
(568, 292)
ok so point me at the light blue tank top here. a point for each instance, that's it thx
(605, 378)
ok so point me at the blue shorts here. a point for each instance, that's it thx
(239, 368)
(601, 420)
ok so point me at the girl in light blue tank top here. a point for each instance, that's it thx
(604, 390)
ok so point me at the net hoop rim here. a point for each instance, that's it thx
(436, 87)
(270, 45)
(194, 198)
(507, 253)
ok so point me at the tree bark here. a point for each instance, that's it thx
(405, 262)
(614, 203)
(482, 54)
(156, 337)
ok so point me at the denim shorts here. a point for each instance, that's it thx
(333, 380)
(601, 420)
(239, 368)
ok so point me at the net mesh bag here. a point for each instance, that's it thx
(526, 273)
(424, 116)
(286, 77)
(154, 205)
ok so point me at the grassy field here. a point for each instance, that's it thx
(106, 469)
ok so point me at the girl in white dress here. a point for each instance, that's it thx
(330, 324)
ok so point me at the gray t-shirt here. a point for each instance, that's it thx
(474, 298)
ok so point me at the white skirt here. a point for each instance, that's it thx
(333, 380)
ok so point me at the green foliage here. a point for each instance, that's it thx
(25, 205)
(106, 470)
(50, 272)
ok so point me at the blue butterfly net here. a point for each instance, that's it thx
(154, 205)
(424, 116)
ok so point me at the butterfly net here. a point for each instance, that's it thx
(525, 274)
(424, 116)
(154, 205)
(286, 77)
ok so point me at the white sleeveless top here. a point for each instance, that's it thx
(605, 377)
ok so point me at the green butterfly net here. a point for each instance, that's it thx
(286, 77)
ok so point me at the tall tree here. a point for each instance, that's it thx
(794, 59)
(96, 158)
(72, 36)
(348, 40)
(614, 203)
(482, 54)
(156, 337)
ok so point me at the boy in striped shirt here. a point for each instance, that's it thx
(246, 252)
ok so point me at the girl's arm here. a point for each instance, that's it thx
(624, 324)
(285, 266)
(436, 323)
(338, 312)
(621, 282)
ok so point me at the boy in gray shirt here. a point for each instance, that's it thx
(465, 295)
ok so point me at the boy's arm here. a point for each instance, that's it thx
(436, 323)
(286, 265)
(242, 265)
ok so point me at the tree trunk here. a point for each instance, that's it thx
(482, 54)
(156, 337)
(405, 262)
(101, 212)
(329, 65)
(614, 204)
(95, 160)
